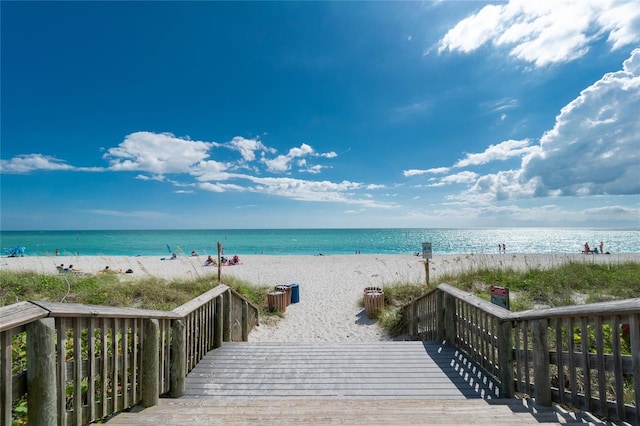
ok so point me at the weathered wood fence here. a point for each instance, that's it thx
(585, 356)
(84, 363)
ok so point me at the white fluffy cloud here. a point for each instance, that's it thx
(157, 153)
(462, 177)
(546, 32)
(502, 151)
(418, 172)
(594, 147)
(248, 147)
(282, 163)
(30, 162)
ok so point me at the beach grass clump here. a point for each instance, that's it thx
(111, 290)
(566, 284)
(391, 320)
(399, 294)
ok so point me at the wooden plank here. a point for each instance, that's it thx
(20, 313)
(193, 304)
(79, 310)
(323, 410)
(627, 306)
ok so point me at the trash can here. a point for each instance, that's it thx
(295, 293)
(373, 303)
(277, 301)
(286, 289)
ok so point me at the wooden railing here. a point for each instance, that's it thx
(75, 364)
(585, 356)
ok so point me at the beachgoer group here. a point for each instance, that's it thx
(597, 250)
(235, 260)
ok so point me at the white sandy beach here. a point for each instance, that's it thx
(330, 286)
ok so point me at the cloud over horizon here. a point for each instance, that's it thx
(546, 32)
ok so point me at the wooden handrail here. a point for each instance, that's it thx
(20, 313)
(616, 307)
(77, 310)
(112, 358)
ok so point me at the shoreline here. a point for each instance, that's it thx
(330, 286)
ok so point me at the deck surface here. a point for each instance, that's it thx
(377, 369)
(378, 383)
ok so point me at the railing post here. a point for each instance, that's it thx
(440, 315)
(413, 320)
(178, 359)
(227, 316)
(541, 369)
(245, 321)
(218, 326)
(41, 372)
(450, 319)
(505, 358)
(150, 373)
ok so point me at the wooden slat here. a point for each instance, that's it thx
(586, 370)
(634, 333)
(560, 363)
(92, 373)
(104, 367)
(77, 371)
(6, 397)
(61, 362)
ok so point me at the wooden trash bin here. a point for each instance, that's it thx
(287, 290)
(372, 290)
(277, 301)
(373, 303)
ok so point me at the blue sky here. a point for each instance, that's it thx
(153, 115)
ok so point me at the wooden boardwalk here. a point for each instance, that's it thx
(378, 369)
(380, 383)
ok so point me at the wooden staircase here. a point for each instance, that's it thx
(376, 383)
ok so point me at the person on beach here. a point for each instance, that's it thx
(194, 253)
(587, 249)
(209, 261)
(601, 247)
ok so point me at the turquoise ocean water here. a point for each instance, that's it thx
(317, 241)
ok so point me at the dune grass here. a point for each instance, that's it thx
(111, 290)
(567, 284)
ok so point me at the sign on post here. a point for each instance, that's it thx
(426, 251)
(500, 296)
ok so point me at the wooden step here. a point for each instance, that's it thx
(353, 411)
(374, 383)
